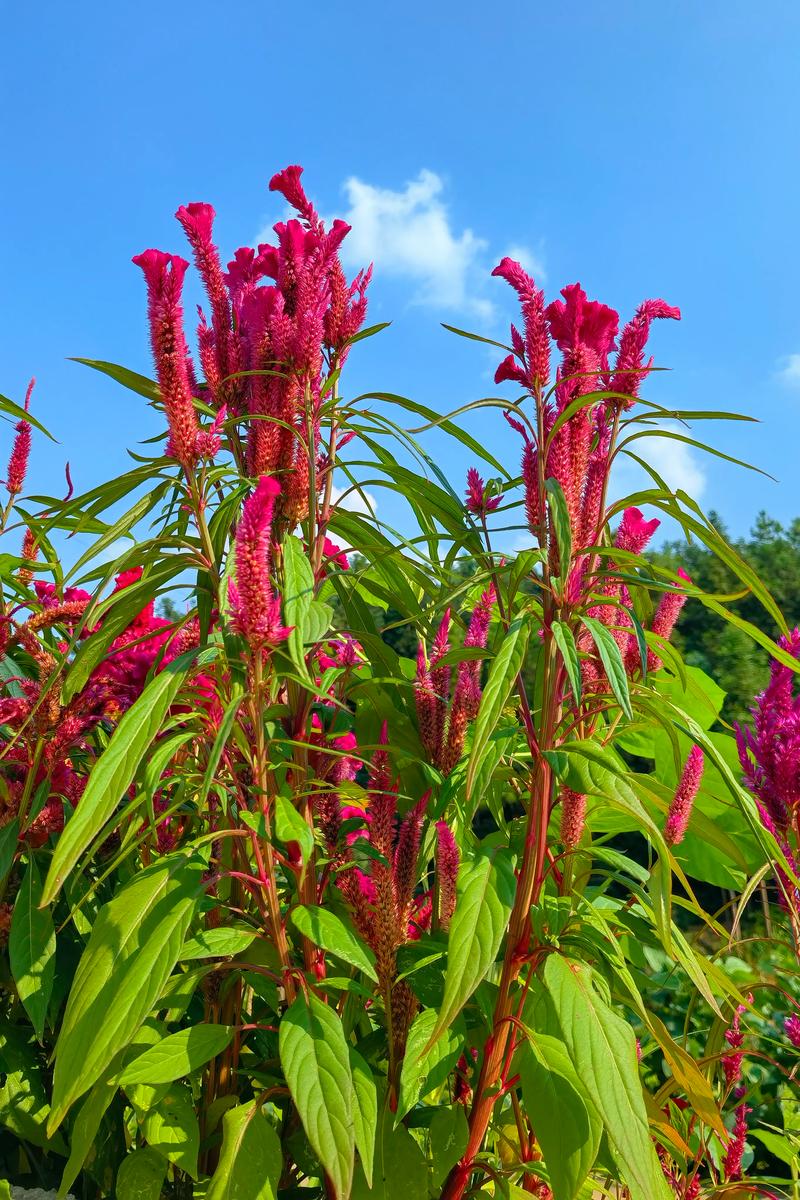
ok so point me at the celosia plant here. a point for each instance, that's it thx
(290, 914)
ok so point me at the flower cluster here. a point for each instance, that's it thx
(444, 711)
(262, 346)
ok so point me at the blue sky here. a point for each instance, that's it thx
(643, 149)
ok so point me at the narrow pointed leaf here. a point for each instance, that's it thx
(503, 673)
(32, 948)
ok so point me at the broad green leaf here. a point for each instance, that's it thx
(611, 659)
(178, 1055)
(449, 1134)
(83, 1134)
(328, 931)
(565, 640)
(129, 379)
(298, 592)
(567, 1131)
(141, 1175)
(503, 673)
(250, 1162)
(223, 942)
(131, 952)
(24, 1108)
(559, 516)
(291, 827)
(32, 948)
(112, 774)
(171, 1128)
(316, 1062)
(422, 1072)
(602, 1049)
(485, 894)
(9, 835)
(400, 1170)
(365, 1112)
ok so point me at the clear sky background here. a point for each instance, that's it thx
(645, 149)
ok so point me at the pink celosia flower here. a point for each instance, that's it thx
(479, 502)
(732, 1063)
(209, 441)
(447, 863)
(577, 321)
(681, 807)
(769, 751)
(255, 608)
(792, 1029)
(335, 556)
(532, 349)
(573, 817)
(197, 221)
(736, 1146)
(164, 274)
(20, 451)
(635, 532)
(629, 371)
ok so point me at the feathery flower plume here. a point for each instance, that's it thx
(20, 451)
(447, 863)
(532, 349)
(197, 221)
(635, 532)
(732, 1063)
(791, 1028)
(255, 608)
(735, 1151)
(30, 552)
(630, 369)
(669, 608)
(164, 275)
(573, 817)
(479, 502)
(769, 751)
(681, 807)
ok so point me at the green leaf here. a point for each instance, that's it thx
(559, 516)
(9, 835)
(423, 1072)
(32, 948)
(503, 673)
(365, 1112)
(83, 1134)
(112, 774)
(250, 1162)
(220, 742)
(565, 640)
(171, 1128)
(178, 1055)
(224, 942)
(327, 930)
(567, 1131)
(316, 1062)
(24, 1107)
(133, 947)
(602, 1049)
(129, 379)
(484, 896)
(449, 1134)
(141, 1176)
(611, 659)
(298, 592)
(400, 1171)
(19, 414)
(291, 827)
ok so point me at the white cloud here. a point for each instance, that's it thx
(409, 234)
(789, 370)
(355, 501)
(676, 463)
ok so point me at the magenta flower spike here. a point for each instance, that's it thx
(680, 809)
(255, 607)
(447, 864)
(630, 371)
(20, 450)
(635, 532)
(164, 275)
(573, 817)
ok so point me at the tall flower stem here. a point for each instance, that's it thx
(260, 778)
